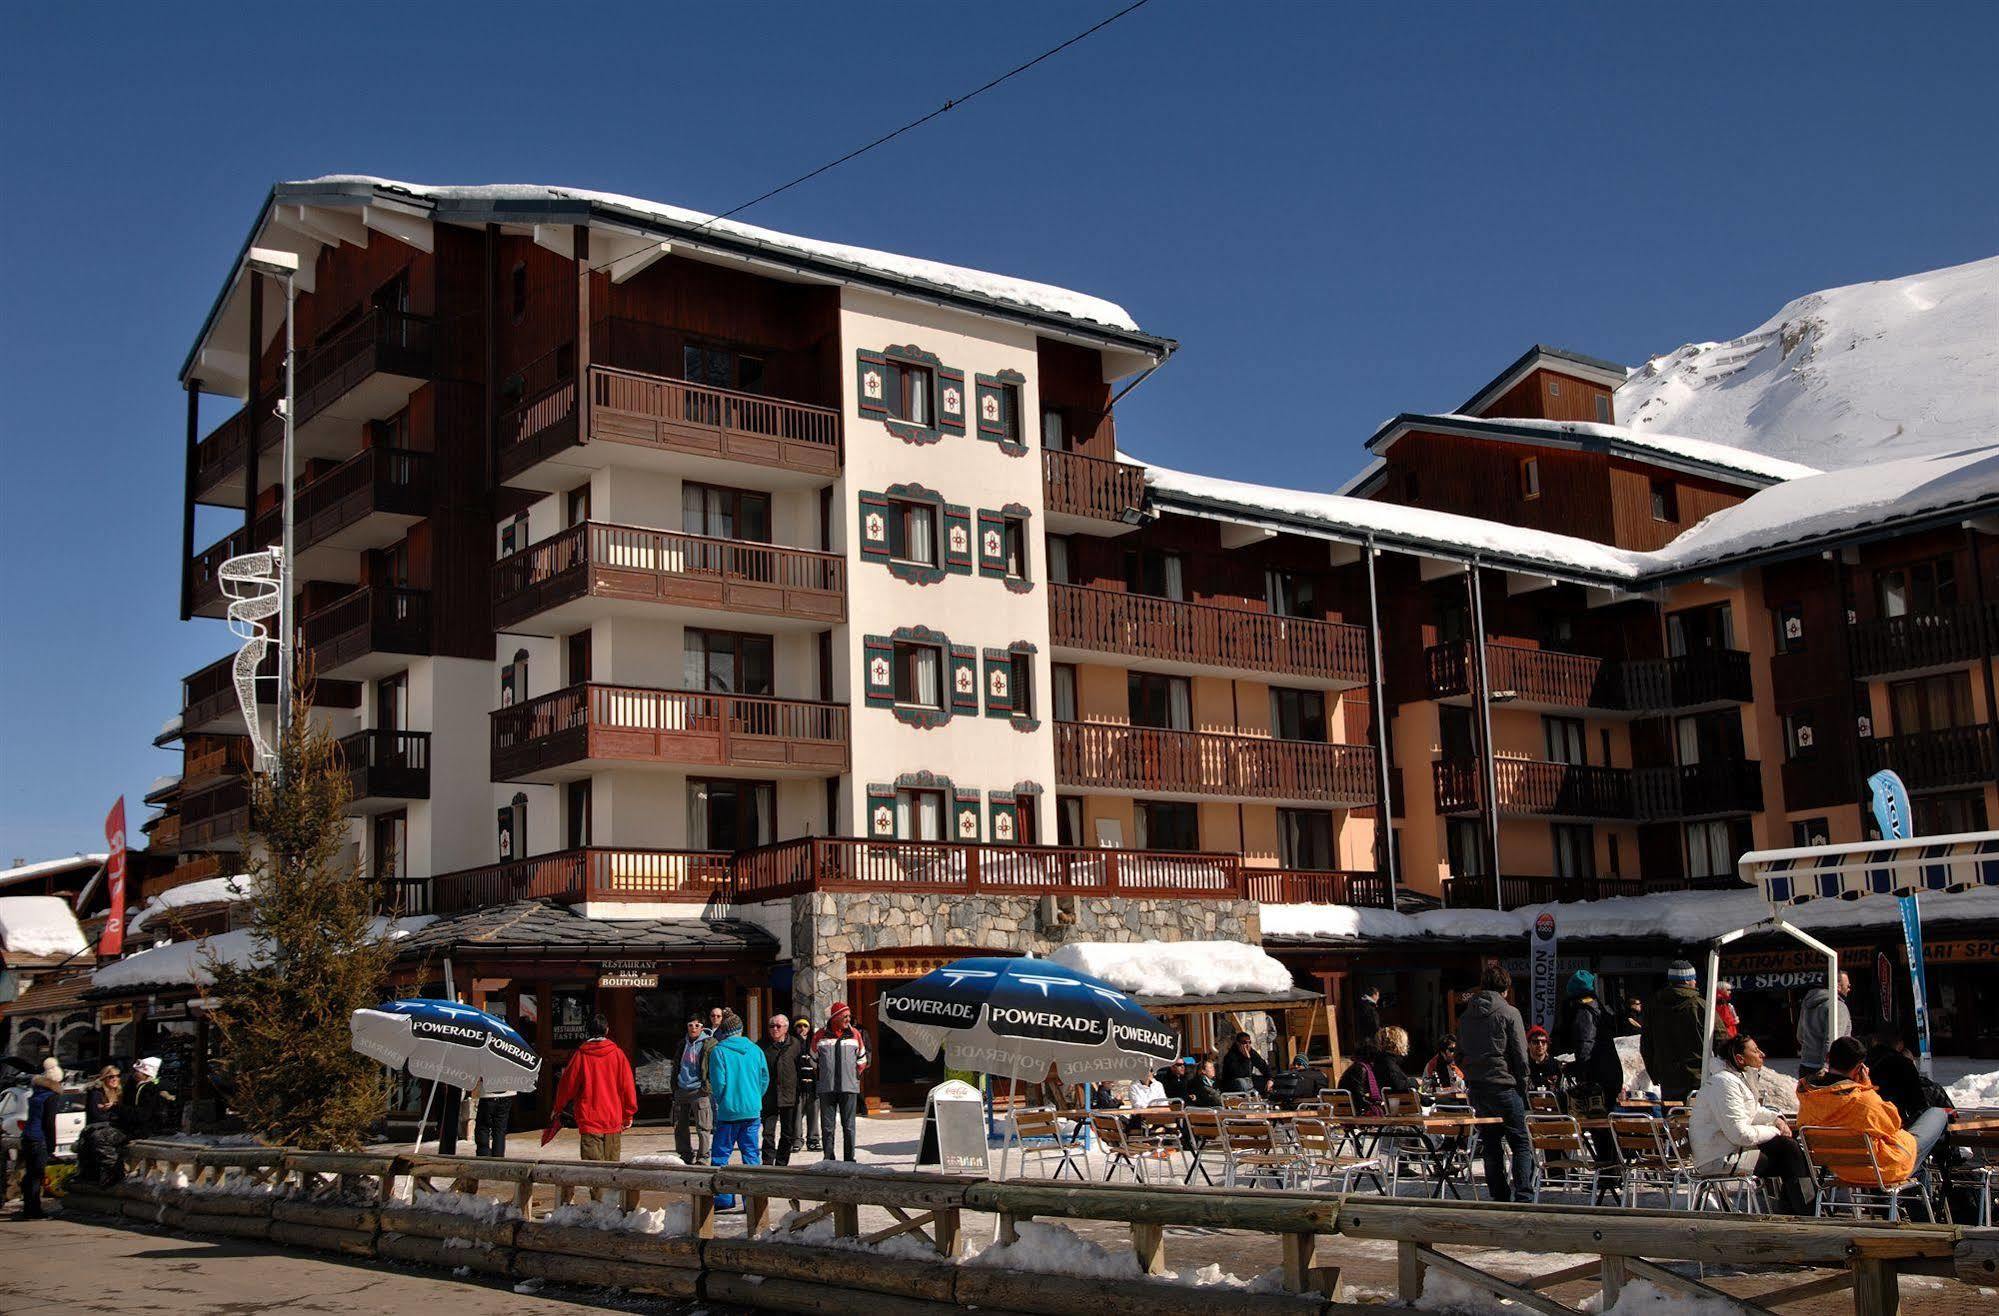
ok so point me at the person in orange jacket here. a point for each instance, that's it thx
(597, 1082)
(1844, 1098)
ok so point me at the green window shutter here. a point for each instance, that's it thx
(957, 539)
(951, 400)
(997, 403)
(871, 384)
(999, 683)
(992, 544)
(874, 527)
(964, 679)
(965, 816)
(881, 811)
(878, 659)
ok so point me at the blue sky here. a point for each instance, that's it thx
(1341, 211)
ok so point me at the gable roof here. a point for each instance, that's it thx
(1543, 357)
(1716, 461)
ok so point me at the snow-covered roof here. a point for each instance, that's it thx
(38, 927)
(169, 729)
(208, 891)
(1696, 455)
(1561, 360)
(165, 781)
(1675, 916)
(1176, 968)
(185, 963)
(50, 867)
(1869, 372)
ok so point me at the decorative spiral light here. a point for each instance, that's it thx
(251, 583)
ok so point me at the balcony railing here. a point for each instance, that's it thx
(1105, 756)
(1928, 760)
(1533, 787)
(1286, 886)
(1938, 638)
(164, 837)
(660, 566)
(209, 695)
(848, 864)
(1095, 487)
(652, 411)
(691, 727)
(228, 759)
(1658, 685)
(591, 873)
(378, 619)
(1476, 892)
(1532, 676)
(1140, 626)
(387, 765)
(1697, 790)
(217, 818)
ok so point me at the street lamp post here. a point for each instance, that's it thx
(284, 264)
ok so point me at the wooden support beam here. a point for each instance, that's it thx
(1408, 1271)
(905, 1224)
(1587, 1270)
(1875, 1290)
(1148, 1243)
(1680, 1284)
(948, 1234)
(1811, 1288)
(1298, 1249)
(1009, 1227)
(1492, 1284)
(756, 1215)
(846, 1220)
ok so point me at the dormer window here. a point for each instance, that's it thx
(1530, 477)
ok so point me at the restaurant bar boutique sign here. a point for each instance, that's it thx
(641, 974)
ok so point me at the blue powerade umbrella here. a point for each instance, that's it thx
(448, 1043)
(1015, 1017)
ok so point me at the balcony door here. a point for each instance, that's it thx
(1709, 738)
(1160, 575)
(1575, 850)
(728, 662)
(1464, 843)
(1932, 703)
(1167, 825)
(1163, 702)
(1712, 847)
(718, 512)
(391, 846)
(722, 367)
(1297, 714)
(1567, 740)
(1920, 588)
(1305, 839)
(919, 815)
(1454, 734)
(1699, 630)
(392, 702)
(731, 815)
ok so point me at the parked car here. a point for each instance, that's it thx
(69, 1119)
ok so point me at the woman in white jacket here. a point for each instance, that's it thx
(1731, 1130)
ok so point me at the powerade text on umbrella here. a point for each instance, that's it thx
(1015, 1017)
(446, 1042)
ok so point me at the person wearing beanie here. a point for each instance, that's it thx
(1673, 1044)
(1588, 1033)
(840, 1057)
(38, 1136)
(737, 1078)
(148, 1106)
(1544, 1071)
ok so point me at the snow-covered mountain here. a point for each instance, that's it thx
(1845, 377)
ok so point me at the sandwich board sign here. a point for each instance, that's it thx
(954, 1129)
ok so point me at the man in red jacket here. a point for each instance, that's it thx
(598, 1084)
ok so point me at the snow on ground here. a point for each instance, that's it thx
(489, 1209)
(208, 891)
(1975, 1090)
(673, 1218)
(998, 287)
(39, 927)
(1843, 377)
(1177, 968)
(185, 963)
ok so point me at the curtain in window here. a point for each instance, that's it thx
(1065, 693)
(922, 545)
(1058, 560)
(919, 815)
(1708, 850)
(929, 679)
(765, 798)
(1180, 708)
(1689, 736)
(1173, 584)
(697, 816)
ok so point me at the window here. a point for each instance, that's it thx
(513, 828)
(1709, 737)
(909, 393)
(1027, 812)
(721, 367)
(919, 815)
(1053, 436)
(1710, 848)
(1554, 387)
(576, 814)
(577, 505)
(1558, 631)
(391, 846)
(1790, 628)
(1575, 850)
(1921, 587)
(1068, 820)
(1603, 408)
(731, 815)
(1290, 595)
(579, 657)
(1159, 574)
(1949, 815)
(1565, 739)
(520, 290)
(1800, 737)
(1064, 676)
(1167, 825)
(723, 513)
(1931, 703)
(1014, 534)
(1464, 840)
(1022, 674)
(514, 535)
(912, 532)
(392, 702)
(1164, 702)
(1530, 477)
(1665, 500)
(514, 680)
(919, 675)
(1699, 630)
(1810, 831)
(726, 662)
(1616, 859)
(1305, 839)
(1060, 569)
(1297, 714)
(1454, 733)
(1007, 396)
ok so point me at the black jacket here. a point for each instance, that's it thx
(1589, 1034)
(782, 1060)
(1902, 1085)
(1201, 1091)
(1294, 1085)
(1492, 1042)
(808, 1068)
(1242, 1073)
(1176, 1086)
(1675, 1053)
(1367, 1022)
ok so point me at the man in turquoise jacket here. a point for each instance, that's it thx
(737, 1077)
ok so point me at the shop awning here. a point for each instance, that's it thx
(1921, 865)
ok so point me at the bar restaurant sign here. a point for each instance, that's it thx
(642, 974)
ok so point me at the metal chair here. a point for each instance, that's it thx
(1205, 1128)
(1121, 1147)
(1647, 1157)
(1567, 1161)
(1320, 1157)
(1251, 1152)
(1402, 1103)
(1543, 1102)
(1038, 1134)
(1847, 1166)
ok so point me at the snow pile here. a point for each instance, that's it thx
(996, 287)
(1050, 1249)
(39, 927)
(674, 1218)
(1843, 377)
(1975, 1091)
(1666, 445)
(163, 782)
(820, 1234)
(1176, 968)
(185, 963)
(470, 1205)
(1641, 1297)
(170, 727)
(208, 891)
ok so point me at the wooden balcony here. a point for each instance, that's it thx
(1284, 886)
(1092, 494)
(650, 414)
(1534, 788)
(1695, 680)
(1477, 892)
(590, 571)
(570, 733)
(208, 697)
(1934, 760)
(1675, 793)
(1145, 760)
(599, 873)
(368, 501)
(369, 633)
(1924, 642)
(1199, 637)
(1526, 677)
(163, 837)
(217, 818)
(366, 372)
(194, 868)
(230, 758)
(385, 768)
(847, 864)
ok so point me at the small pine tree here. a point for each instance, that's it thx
(284, 1018)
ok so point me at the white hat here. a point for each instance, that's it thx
(52, 1068)
(147, 1068)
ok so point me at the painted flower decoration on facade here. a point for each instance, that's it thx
(968, 826)
(871, 384)
(992, 543)
(989, 408)
(954, 401)
(884, 821)
(996, 682)
(875, 528)
(1003, 826)
(963, 681)
(878, 672)
(961, 539)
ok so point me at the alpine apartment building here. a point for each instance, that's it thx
(713, 614)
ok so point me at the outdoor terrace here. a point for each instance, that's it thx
(571, 732)
(1147, 760)
(1201, 638)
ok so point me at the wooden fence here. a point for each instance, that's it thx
(376, 1205)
